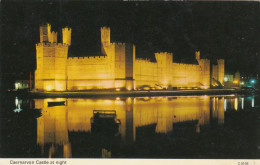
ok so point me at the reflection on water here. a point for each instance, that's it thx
(106, 121)
(166, 114)
(18, 103)
(253, 101)
(242, 103)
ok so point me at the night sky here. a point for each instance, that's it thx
(229, 30)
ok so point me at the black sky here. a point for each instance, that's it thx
(229, 30)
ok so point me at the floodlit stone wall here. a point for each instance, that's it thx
(167, 74)
(51, 66)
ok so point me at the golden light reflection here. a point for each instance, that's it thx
(236, 104)
(225, 104)
(253, 102)
(242, 103)
(165, 112)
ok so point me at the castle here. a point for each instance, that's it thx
(116, 68)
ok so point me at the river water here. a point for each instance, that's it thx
(221, 126)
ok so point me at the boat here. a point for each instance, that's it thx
(105, 121)
(56, 103)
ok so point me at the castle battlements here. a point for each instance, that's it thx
(112, 44)
(99, 60)
(88, 58)
(67, 27)
(164, 53)
(105, 28)
(145, 60)
(49, 44)
(120, 43)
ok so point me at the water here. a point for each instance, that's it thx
(146, 127)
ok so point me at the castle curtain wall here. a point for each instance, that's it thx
(166, 74)
(186, 75)
(145, 73)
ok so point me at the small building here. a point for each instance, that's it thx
(21, 84)
(228, 78)
(228, 81)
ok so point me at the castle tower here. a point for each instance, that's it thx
(124, 64)
(44, 33)
(108, 49)
(217, 73)
(221, 70)
(164, 61)
(50, 37)
(51, 59)
(66, 36)
(105, 39)
(205, 70)
(105, 35)
(197, 55)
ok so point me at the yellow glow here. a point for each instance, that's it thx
(146, 88)
(225, 79)
(117, 89)
(235, 104)
(235, 82)
(59, 87)
(204, 87)
(55, 123)
(66, 36)
(16, 85)
(49, 88)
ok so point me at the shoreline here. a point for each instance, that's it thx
(89, 94)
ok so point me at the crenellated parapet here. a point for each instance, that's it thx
(89, 60)
(49, 44)
(119, 43)
(143, 60)
(46, 35)
(164, 58)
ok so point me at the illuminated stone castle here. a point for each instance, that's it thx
(116, 67)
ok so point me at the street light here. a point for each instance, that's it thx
(253, 81)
